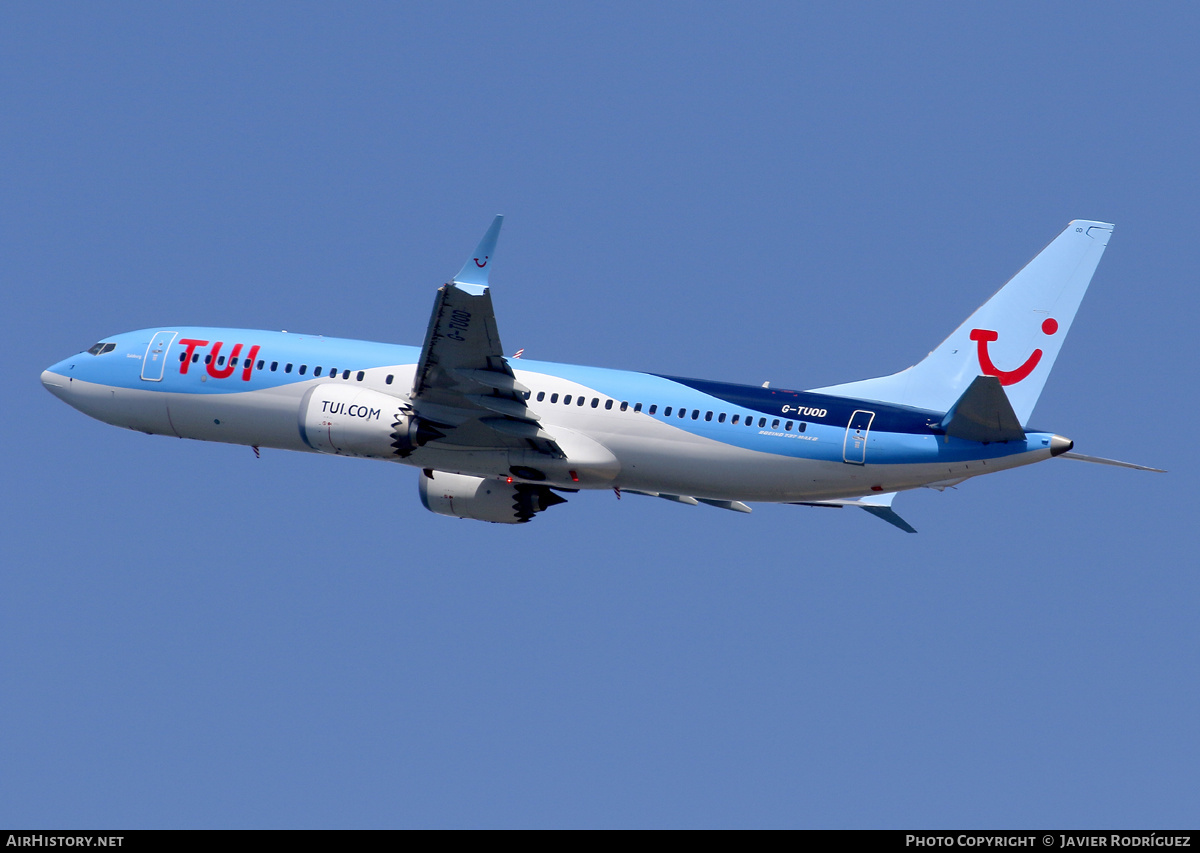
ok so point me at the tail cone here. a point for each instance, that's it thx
(1060, 445)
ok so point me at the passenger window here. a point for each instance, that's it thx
(721, 418)
(261, 362)
(762, 422)
(788, 426)
(624, 406)
(196, 358)
(274, 365)
(317, 371)
(580, 400)
(553, 398)
(775, 424)
(208, 358)
(735, 419)
(345, 374)
(596, 402)
(653, 408)
(708, 416)
(637, 407)
(695, 414)
(361, 375)
(802, 426)
(182, 356)
(666, 411)
(287, 368)
(303, 369)
(608, 405)
(683, 413)
(220, 361)
(388, 381)
(567, 400)
(541, 396)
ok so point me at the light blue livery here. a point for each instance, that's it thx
(502, 438)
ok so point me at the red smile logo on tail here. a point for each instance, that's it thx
(1008, 377)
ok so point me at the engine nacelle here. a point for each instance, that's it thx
(463, 496)
(355, 421)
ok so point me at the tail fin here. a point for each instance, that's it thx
(1015, 336)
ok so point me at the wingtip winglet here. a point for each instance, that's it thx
(475, 270)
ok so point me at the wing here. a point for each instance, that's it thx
(464, 387)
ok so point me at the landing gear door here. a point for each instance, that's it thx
(854, 448)
(155, 360)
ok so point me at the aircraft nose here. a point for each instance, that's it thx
(54, 380)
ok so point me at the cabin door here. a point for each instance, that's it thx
(854, 448)
(155, 360)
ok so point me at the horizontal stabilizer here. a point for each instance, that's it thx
(1080, 457)
(983, 413)
(879, 506)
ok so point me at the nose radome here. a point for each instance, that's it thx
(55, 383)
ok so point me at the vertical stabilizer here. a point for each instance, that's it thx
(1015, 336)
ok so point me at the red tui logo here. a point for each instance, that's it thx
(1008, 377)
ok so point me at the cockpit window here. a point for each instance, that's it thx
(102, 348)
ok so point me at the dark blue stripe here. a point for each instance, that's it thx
(771, 401)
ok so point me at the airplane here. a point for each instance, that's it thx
(501, 439)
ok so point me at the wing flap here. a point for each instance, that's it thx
(461, 337)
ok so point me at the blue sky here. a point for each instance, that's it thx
(805, 194)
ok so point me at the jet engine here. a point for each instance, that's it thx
(355, 421)
(463, 496)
